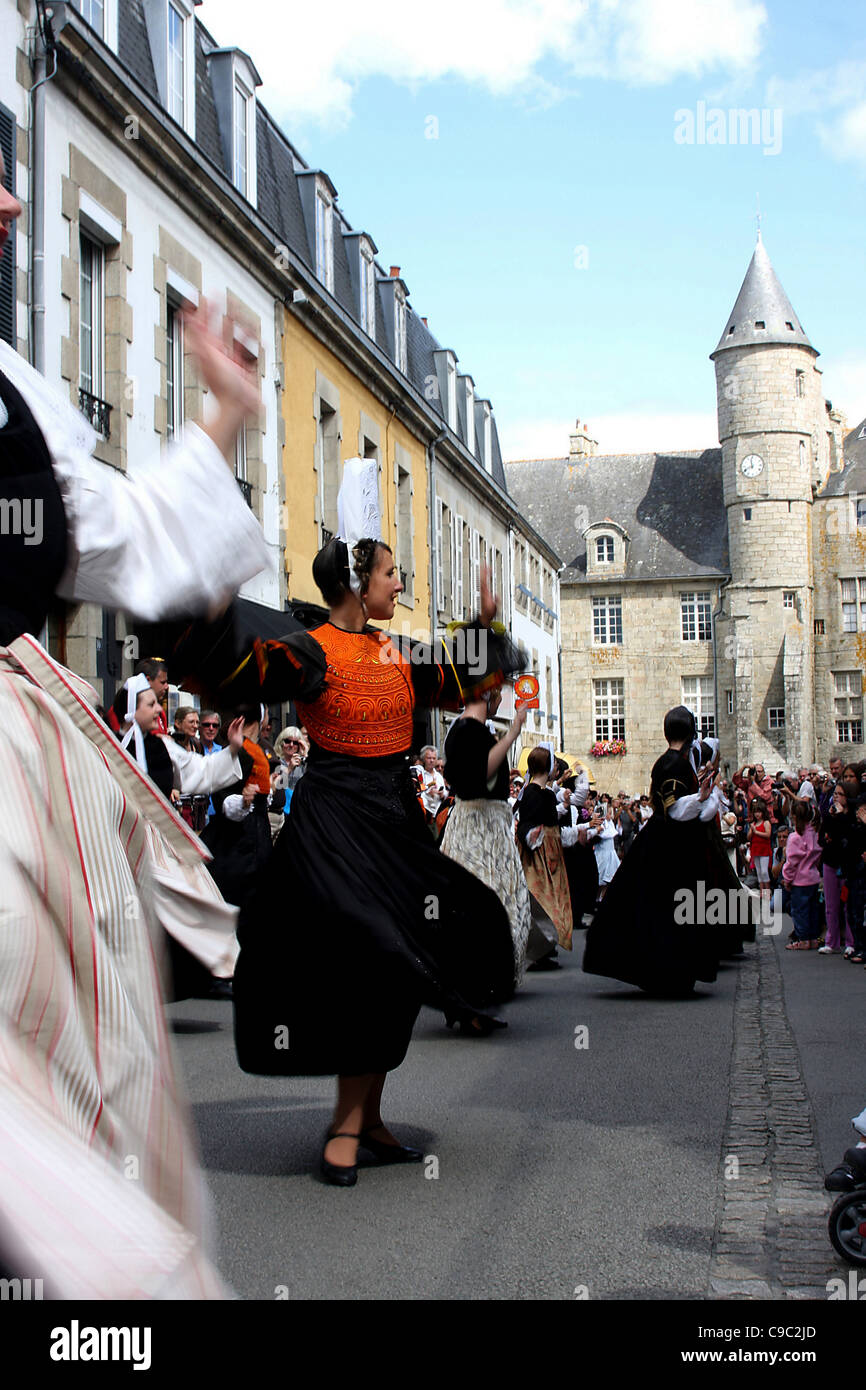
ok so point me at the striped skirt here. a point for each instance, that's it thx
(101, 1193)
(480, 836)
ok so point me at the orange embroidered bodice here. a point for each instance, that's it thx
(366, 706)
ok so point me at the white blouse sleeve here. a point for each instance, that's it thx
(174, 536)
(692, 808)
(686, 808)
(195, 775)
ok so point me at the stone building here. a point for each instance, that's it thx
(732, 580)
(150, 174)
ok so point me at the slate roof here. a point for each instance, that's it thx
(762, 301)
(133, 46)
(207, 129)
(852, 478)
(280, 206)
(670, 505)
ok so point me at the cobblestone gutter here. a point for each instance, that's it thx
(771, 1232)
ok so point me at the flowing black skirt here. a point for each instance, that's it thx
(653, 928)
(581, 866)
(359, 920)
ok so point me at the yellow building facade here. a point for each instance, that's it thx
(329, 415)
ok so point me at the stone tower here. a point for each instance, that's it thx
(770, 405)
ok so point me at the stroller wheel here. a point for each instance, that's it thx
(847, 1226)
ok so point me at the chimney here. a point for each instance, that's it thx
(581, 444)
(423, 320)
(394, 272)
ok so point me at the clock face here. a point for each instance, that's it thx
(752, 465)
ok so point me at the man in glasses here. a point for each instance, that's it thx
(209, 727)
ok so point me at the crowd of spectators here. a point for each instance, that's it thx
(808, 830)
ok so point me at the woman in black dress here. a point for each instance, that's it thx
(541, 851)
(480, 830)
(238, 834)
(359, 919)
(639, 934)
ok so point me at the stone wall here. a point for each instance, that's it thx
(652, 661)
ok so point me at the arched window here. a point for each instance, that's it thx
(604, 550)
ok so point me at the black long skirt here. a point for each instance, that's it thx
(357, 922)
(581, 866)
(638, 935)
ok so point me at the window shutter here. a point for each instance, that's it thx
(440, 556)
(458, 556)
(8, 277)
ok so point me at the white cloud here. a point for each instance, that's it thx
(836, 94)
(313, 58)
(616, 434)
(649, 41)
(845, 137)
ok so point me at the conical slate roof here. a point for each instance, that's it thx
(763, 312)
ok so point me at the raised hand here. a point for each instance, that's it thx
(236, 735)
(488, 598)
(228, 370)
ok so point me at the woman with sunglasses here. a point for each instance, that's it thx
(291, 748)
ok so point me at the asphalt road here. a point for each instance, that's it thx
(560, 1168)
(825, 1000)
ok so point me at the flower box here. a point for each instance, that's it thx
(608, 748)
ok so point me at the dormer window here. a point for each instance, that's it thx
(368, 290)
(604, 550)
(325, 237)
(234, 80)
(101, 15)
(171, 33)
(175, 70)
(400, 355)
(470, 413)
(241, 171)
(607, 545)
(451, 393)
(487, 437)
(94, 12)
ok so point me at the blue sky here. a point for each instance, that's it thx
(577, 257)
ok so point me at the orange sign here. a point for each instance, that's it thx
(526, 691)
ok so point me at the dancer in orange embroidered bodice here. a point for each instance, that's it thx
(366, 706)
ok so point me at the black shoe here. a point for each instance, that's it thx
(475, 1025)
(481, 1025)
(388, 1153)
(221, 989)
(337, 1173)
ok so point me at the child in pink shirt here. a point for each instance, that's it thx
(802, 874)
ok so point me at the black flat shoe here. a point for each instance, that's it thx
(475, 1025)
(481, 1025)
(337, 1173)
(388, 1153)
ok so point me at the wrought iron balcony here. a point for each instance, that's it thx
(96, 411)
(246, 488)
